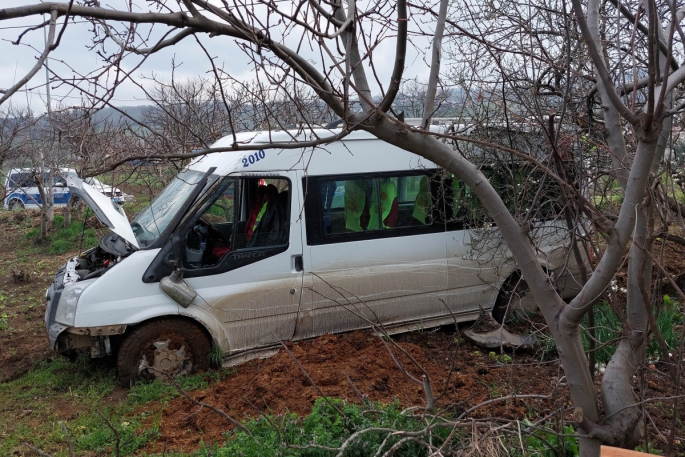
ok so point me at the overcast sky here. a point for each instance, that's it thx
(73, 53)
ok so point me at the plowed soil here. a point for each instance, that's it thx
(360, 365)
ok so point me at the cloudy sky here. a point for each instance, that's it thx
(73, 57)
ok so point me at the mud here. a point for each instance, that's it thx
(360, 365)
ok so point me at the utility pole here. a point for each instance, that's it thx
(47, 71)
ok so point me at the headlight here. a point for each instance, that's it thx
(66, 309)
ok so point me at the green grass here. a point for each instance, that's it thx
(608, 328)
(59, 393)
(66, 239)
(287, 434)
(70, 238)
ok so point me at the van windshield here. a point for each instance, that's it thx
(151, 222)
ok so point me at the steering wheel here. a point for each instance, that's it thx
(215, 233)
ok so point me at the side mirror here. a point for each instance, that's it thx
(173, 285)
(175, 260)
(59, 184)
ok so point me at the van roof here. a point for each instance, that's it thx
(358, 152)
(47, 169)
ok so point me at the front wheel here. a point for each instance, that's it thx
(16, 205)
(162, 348)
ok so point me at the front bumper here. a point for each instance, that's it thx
(52, 295)
(66, 274)
(65, 338)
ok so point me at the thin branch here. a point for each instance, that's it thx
(400, 56)
(41, 60)
(64, 27)
(600, 66)
(434, 76)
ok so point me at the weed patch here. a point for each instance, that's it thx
(146, 392)
(324, 428)
(92, 422)
(669, 319)
(69, 238)
(545, 443)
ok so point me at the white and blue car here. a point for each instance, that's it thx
(21, 189)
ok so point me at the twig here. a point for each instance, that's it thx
(111, 427)
(37, 451)
(66, 434)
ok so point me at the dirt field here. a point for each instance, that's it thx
(22, 300)
(352, 366)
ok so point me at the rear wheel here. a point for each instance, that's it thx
(16, 205)
(162, 348)
(514, 299)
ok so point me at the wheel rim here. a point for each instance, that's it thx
(15, 205)
(165, 358)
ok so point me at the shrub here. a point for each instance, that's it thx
(289, 435)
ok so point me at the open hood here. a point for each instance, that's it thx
(104, 208)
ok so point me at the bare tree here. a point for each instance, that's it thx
(532, 64)
(13, 124)
(38, 155)
(87, 143)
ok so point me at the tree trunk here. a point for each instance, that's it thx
(68, 208)
(46, 213)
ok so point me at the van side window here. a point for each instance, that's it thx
(371, 206)
(519, 187)
(384, 203)
(240, 214)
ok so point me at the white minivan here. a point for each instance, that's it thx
(244, 250)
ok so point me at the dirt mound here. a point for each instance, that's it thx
(357, 365)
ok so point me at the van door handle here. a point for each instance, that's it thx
(298, 263)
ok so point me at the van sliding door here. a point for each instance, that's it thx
(376, 252)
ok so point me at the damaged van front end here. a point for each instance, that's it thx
(71, 280)
(105, 301)
(81, 272)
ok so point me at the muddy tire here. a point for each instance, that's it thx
(162, 347)
(16, 205)
(514, 299)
